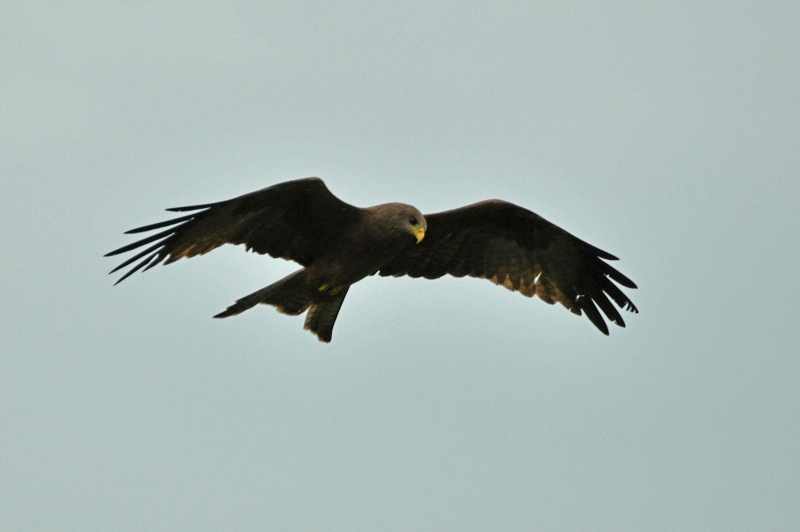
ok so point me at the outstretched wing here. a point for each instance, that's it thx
(296, 220)
(514, 247)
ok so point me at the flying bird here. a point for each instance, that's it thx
(338, 244)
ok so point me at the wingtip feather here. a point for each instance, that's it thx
(190, 207)
(594, 316)
(157, 225)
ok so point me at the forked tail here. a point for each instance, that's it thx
(322, 315)
(294, 295)
(290, 295)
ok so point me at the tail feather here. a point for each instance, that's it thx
(322, 316)
(294, 295)
(290, 295)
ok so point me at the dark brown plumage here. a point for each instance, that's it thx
(339, 244)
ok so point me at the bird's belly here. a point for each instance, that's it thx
(339, 273)
(351, 262)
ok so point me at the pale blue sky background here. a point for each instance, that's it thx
(666, 133)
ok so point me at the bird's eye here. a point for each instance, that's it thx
(413, 220)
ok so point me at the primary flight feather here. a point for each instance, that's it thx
(339, 244)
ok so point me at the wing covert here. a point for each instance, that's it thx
(295, 220)
(521, 251)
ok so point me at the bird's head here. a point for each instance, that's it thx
(406, 219)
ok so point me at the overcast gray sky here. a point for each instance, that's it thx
(664, 132)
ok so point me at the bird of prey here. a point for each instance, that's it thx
(338, 244)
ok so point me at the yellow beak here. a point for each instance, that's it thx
(419, 233)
